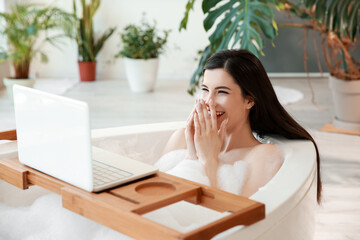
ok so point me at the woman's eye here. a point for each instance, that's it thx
(205, 89)
(223, 92)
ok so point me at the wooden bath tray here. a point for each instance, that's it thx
(121, 208)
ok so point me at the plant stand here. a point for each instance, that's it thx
(121, 208)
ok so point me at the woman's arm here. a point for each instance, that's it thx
(176, 141)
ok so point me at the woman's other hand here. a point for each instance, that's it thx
(189, 137)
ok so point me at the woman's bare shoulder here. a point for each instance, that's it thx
(267, 155)
(265, 148)
(264, 161)
(176, 141)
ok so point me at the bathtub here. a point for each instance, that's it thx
(290, 197)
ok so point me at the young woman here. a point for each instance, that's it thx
(218, 146)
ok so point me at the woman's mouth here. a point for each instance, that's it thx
(218, 113)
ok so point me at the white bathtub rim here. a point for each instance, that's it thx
(169, 126)
(136, 129)
(283, 197)
(308, 172)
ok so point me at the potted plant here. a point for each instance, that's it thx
(338, 23)
(23, 27)
(141, 47)
(88, 46)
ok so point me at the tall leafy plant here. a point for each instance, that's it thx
(23, 27)
(233, 24)
(88, 46)
(338, 22)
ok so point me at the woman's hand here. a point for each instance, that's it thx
(208, 139)
(189, 137)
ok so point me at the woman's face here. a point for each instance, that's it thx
(220, 86)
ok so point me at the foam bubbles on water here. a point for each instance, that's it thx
(46, 219)
(230, 176)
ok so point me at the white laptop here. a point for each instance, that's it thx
(54, 137)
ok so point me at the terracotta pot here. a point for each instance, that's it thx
(346, 98)
(87, 71)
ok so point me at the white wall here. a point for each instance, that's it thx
(178, 61)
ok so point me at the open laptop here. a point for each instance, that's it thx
(54, 137)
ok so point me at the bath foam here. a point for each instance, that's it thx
(46, 219)
(230, 176)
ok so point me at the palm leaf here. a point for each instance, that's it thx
(100, 42)
(339, 16)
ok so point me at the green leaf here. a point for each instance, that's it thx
(208, 4)
(266, 27)
(332, 15)
(184, 21)
(220, 28)
(196, 77)
(344, 18)
(309, 3)
(229, 33)
(355, 11)
(3, 56)
(44, 57)
(214, 14)
(320, 11)
(99, 44)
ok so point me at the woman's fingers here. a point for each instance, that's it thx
(197, 125)
(213, 115)
(223, 129)
(207, 118)
(201, 117)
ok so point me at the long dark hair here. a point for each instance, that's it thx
(267, 116)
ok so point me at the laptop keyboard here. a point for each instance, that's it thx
(104, 174)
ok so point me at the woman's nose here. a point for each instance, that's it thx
(208, 99)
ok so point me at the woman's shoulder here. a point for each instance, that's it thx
(176, 141)
(267, 153)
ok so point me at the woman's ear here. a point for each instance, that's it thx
(249, 101)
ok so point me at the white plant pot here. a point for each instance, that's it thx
(141, 74)
(346, 99)
(10, 82)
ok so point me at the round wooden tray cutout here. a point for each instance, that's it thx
(155, 188)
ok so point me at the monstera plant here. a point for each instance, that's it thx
(233, 24)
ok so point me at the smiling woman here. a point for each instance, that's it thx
(219, 143)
